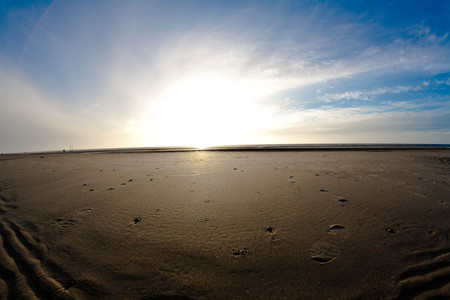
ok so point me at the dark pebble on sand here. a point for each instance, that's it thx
(323, 191)
(130, 180)
(269, 229)
(343, 200)
(91, 190)
(137, 220)
(390, 230)
(110, 189)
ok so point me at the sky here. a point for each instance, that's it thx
(109, 74)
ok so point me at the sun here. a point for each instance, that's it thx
(205, 111)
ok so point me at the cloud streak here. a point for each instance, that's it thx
(370, 95)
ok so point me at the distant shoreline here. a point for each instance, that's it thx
(256, 147)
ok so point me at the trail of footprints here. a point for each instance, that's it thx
(322, 251)
(22, 269)
(429, 279)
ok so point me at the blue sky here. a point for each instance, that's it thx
(97, 74)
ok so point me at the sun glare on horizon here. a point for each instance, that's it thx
(205, 111)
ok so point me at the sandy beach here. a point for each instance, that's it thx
(226, 225)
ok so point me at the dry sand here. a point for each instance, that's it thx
(226, 225)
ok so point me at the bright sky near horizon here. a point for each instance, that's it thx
(102, 74)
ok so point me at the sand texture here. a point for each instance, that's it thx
(226, 225)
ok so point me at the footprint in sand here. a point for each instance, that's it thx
(342, 200)
(273, 234)
(335, 229)
(63, 223)
(85, 210)
(240, 252)
(134, 222)
(269, 229)
(323, 252)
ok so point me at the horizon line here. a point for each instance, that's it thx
(249, 147)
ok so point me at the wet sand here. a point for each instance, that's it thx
(226, 225)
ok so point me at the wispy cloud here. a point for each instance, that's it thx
(369, 95)
(425, 34)
(338, 125)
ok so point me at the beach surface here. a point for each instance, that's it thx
(226, 225)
